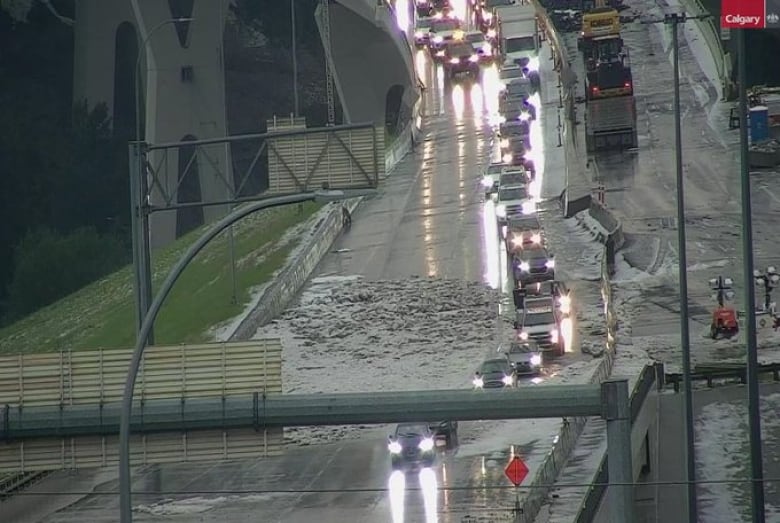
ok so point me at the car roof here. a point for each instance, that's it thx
(460, 47)
(538, 252)
(412, 428)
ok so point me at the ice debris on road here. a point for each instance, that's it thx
(721, 447)
(345, 334)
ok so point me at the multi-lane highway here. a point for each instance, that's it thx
(430, 221)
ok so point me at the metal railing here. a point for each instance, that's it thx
(709, 373)
(650, 376)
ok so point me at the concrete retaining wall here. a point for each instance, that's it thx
(295, 273)
(298, 270)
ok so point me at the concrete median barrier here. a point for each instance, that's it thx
(296, 272)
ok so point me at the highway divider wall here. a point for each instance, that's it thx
(296, 272)
(571, 429)
(576, 195)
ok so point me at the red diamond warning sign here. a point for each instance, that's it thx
(516, 471)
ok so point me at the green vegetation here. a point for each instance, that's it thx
(101, 315)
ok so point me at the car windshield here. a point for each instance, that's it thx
(517, 89)
(516, 45)
(490, 4)
(475, 38)
(511, 72)
(460, 50)
(424, 24)
(521, 348)
(514, 130)
(536, 254)
(513, 193)
(444, 25)
(539, 318)
(493, 366)
(494, 169)
(411, 430)
(515, 178)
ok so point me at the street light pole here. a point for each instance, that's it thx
(296, 108)
(674, 20)
(125, 493)
(754, 407)
(142, 262)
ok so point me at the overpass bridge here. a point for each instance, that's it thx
(181, 65)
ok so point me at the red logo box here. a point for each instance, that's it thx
(743, 14)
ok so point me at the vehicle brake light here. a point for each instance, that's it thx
(627, 85)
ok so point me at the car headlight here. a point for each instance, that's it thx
(524, 116)
(554, 335)
(536, 360)
(474, 58)
(491, 33)
(501, 211)
(504, 142)
(455, 60)
(438, 39)
(523, 335)
(478, 383)
(536, 238)
(487, 181)
(426, 444)
(533, 63)
(550, 264)
(439, 53)
(394, 447)
(517, 240)
(524, 266)
(418, 34)
(529, 207)
(507, 158)
(488, 16)
(507, 380)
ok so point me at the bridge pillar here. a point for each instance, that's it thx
(373, 64)
(183, 86)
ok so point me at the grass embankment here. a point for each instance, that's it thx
(101, 315)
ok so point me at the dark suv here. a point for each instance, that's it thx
(412, 444)
(459, 57)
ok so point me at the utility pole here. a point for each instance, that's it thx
(754, 407)
(674, 20)
(296, 107)
(325, 9)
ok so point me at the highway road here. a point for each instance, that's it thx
(641, 191)
(430, 221)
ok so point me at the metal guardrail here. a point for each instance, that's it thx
(651, 375)
(709, 373)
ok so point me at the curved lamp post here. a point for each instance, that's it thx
(125, 500)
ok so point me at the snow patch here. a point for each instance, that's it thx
(300, 233)
(195, 505)
(721, 450)
(345, 334)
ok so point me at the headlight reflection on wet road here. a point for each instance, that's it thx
(428, 487)
(397, 487)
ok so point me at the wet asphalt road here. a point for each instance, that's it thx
(428, 222)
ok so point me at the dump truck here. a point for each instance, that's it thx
(610, 114)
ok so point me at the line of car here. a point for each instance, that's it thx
(541, 302)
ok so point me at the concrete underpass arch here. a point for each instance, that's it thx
(189, 191)
(393, 108)
(125, 56)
